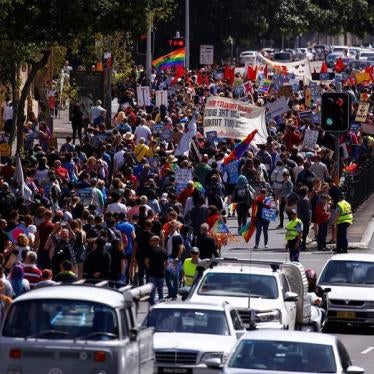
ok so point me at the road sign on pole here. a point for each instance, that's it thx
(206, 54)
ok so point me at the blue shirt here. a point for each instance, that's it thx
(127, 229)
(232, 171)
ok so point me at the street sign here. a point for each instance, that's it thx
(206, 54)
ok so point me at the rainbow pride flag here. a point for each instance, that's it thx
(171, 60)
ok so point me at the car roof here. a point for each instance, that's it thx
(253, 269)
(353, 257)
(190, 305)
(94, 294)
(289, 336)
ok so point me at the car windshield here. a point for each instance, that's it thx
(239, 284)
(348, 272)
(367, 54)
(194, 321)
(282, 56)
(61, 319)
(283, 356)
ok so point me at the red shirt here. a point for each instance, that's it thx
(44, 229)
(322, 213)
(32, 273)
(291, 138)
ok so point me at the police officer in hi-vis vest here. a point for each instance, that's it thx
(293, 235)
(189, 266)
(344, 219)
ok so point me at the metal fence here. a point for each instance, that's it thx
(360, 186)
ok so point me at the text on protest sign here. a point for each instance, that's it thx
(161, 98)
(277, 107)
(310, 138)
(143, 95)
(234, 119)
(182, 176)
(362, 112)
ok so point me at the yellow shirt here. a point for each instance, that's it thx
(140, 151)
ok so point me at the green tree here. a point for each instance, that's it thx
(31, 27)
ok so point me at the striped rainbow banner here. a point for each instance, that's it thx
(171, 60)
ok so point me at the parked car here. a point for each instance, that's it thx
(266, 294)
(306, 52)
(367, 55)
(332, 57)
(76, 328)
(288, 352)
(247, 56)
(189, 334)
(282, 57)
(351, 280)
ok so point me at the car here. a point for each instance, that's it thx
(74, 328)
(288, 352)
(306, 53)
(188, 334)
(267, 294)
(351, 280)
(282, 57)
(247, 56)
(366, 55)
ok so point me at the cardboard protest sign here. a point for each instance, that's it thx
(234, 119)
(362, 77)
(308, 97)
(277, 107)
(310, 139)
(182, 176)
(143, 95)
(286, 91)
(161, 98)
(362, 111)
(264, 86)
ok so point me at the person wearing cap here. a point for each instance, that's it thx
(189, 266)
(293, 235)
(343, 220)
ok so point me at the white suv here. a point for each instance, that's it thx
(275, 292)
(187, 335)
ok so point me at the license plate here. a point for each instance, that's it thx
(174, 370)
(346, 315)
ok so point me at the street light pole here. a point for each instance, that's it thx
(148, 64)
(187, 36)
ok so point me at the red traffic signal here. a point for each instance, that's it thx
(176, 42)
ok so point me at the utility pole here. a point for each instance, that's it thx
(148, 64)
(187, 36)
(108, 82)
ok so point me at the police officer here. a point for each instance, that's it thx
(293, 236)
(189, 266)
(344, 219)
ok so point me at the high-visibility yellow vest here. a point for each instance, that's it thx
(345, 213)
(189, 270)
(292, 233)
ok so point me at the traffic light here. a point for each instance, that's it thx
(335, 112)
(176, 42)
(141, 44)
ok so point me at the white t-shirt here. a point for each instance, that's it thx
(143, 131)
(118, 160)
(117, 208)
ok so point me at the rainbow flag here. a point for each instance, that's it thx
(240, 148)
(220, 227)
(171, 60)
(249, 228)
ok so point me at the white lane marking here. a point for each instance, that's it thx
(367, 350)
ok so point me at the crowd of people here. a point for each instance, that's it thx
(107, 204)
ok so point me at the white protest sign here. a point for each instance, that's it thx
(184, 144)
(234, 119)
(206, 54)
(367, 129)
(310, 139)
(278, 107)
(182, 176)
(143, 95)
(362, 111)
(161, 98)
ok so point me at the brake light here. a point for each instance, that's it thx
(99, 356)
(15, 353)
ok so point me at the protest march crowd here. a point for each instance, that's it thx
(151, 194)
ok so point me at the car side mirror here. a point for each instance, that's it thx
(214, 363)
(354, 370)
(184, 292)
(327, 290)
(133, 335)
(291, 296)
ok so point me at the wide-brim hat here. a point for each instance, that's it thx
(171, 159)
(128, 136)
